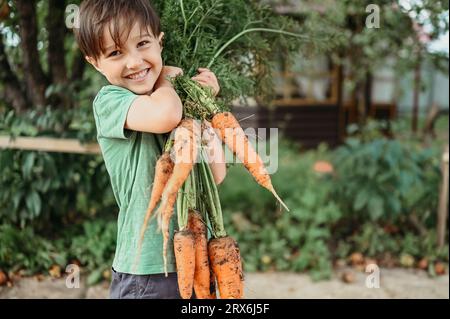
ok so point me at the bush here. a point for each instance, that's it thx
(384, 180)
(25, 250)
(375, 179)
(273, 240)
(92, 244)
(48, 190)
(379, 242)
(95, 247)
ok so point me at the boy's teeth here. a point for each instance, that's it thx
(138, 75)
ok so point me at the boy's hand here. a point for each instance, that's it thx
(206, 78)
(171, 71)
(167, 71)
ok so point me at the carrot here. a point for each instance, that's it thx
(165, 211)
(233, 136)
(183, 242)
(226, 263)
(163, 171)
(202, 271)
(187, 138)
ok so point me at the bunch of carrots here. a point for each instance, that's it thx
(183, 176)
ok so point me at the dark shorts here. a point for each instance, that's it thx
(157, 286)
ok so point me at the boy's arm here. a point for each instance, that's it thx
(159, 112)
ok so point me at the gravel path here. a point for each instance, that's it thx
(393, 283)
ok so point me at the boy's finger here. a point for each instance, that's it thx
(201, 78)
(203, 83)
(200, 75)
(206, 72)
(207, 81)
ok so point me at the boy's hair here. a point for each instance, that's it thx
(119, 16)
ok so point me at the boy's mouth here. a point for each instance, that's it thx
(138, 75)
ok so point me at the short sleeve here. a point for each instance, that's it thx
(111, 107)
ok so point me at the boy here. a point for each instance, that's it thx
(123, 41)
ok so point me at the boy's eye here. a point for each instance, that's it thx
(142, 43)
(114, 53)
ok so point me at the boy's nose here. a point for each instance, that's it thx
(134, 61)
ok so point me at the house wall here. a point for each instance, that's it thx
(307, 125)
(435, 90)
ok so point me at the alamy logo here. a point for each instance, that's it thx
(373, 19)
(252, 146)
(373, 280)
(73, 16)
(73, 277)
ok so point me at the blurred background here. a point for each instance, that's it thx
(363, 150)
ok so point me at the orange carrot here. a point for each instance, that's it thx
(226, 263)
(187, 139)
(165, 211)
(183, 242)
(163, 170)
(233, 136)
(202, 271)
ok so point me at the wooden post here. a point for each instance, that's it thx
(368, 84)
(416, 95)
(432, 116)
(338, 81)
(443, 201)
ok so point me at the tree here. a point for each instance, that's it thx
(39, 64)
(399, 33)
(34, 51)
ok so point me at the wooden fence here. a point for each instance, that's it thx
(48, 144)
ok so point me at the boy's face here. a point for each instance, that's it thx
(136, 65)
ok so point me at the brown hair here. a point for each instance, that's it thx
(119, 16)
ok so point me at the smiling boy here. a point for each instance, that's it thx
(122, 39)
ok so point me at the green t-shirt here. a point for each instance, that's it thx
(130, 159)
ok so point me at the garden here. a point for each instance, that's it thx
(372, 199)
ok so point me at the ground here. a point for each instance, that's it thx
(393, 283)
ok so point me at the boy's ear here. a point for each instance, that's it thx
(160, 39)
(94, 63)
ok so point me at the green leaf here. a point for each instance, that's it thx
(375, 207)
(382, 178)
(28, 164)
(94, 277)
(361, 200)
(16, 199)
(34, 204)
(309, 199)
(372, 171)
(395, 204)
